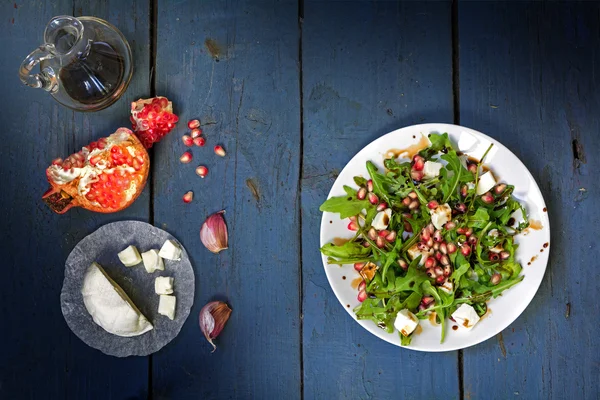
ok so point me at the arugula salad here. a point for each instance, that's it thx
(434, 238)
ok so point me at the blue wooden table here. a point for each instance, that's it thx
(293, 90)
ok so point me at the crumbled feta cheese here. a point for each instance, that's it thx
(440, 215)
(486, 182)
(431, 169)
(406, 322)
(465, 316)
(414, 252)
(447, 287)
(382, 219)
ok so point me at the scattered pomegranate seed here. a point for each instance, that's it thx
(193, 124)
(495, 279)
(362, 296)
(220, 151)
(472, 167)
(461, 231)
(472, 240)
(382, 206)
(430, 262)
(418, 163)
(450, 225)
(403, 264)
(366, 244)
(406, 201)
(413, 205)
(436, 246)
(186, 157)
(432, 204)
(373, 199)
(439, 271)
(187, 140)
(430, 273)
(451, 248)
(425, 235)
(444, 260)
(353, 226)
(352, 218)
(358, 266)
(438, 255)
(200, 142)
(437, 236)
(465, 250)
(504, 255)
(407, 227)
(416, 175)
(430, 228)
(422, 246)
(493, 256)
(443, 248)
(202, 171)
(372, 234)
(413, 195)
(430, 242)
(380, 242)
(384, 233)
(500, 188)
(362, 286)
(487, 198)
(427, 300)
(370, 185)
(464, 190)
(469, 232)
(447, 270)
(390, 237)
(196, 133)
(440, 279)
(187, 198)
(361, 194)
(461, 208)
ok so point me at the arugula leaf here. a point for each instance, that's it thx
(412, 280)
(379, 182)
(347, 250)
(479, 219)
(405, 340)
(346, 206)
(456, 167)
(360, 181)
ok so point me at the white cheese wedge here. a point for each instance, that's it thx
(465, 316)
(406, 322)
(414, 252)
(109, 305)
(170, 251)
(152, 261)
(163, 285)
(431, 169)
(440, 215)
(130, 256)
(382, 219)
(166, 306)
(486, 182)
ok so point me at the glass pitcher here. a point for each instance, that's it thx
(85, 63)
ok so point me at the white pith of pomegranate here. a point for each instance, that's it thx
(152, 119)
(104, 176)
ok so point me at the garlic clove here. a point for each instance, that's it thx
(212, 320)
(213, 233)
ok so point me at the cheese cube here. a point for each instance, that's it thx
(382, 219)
(440, 215)
(166, 306)
(163, 285)
(130, 256)
(486, 182)
(170, 251)
(431, 169)
(414, 252)
(406, 322)
(465, 316)
(152, 261)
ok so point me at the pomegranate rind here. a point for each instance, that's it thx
(63, 196)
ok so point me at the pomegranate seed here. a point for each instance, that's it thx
(362, 286)
(438, 256)
(469, 232)
(196, 133)
(461, 208)
(430, 262)
(431, 228)
(380, 242)
(362, 296)
(413, 205)
(407, 215)
(220, 151)
(432, 204)
(430, 273)
(504, 255)
(416, 175)
(464, 190)
(202, 171)
(372, 234)
(472, 240)
(57, 161)
(450, 225)
(403, 264)
(186, 157)
(358, 266)
(187, 140)
(366, 244)
(422, 246)
(370, 185)
(443, 248)
(200, 142)
(361, 194)
(382, 206)
(353, 226)
(373, 199)
(384, 233)
(472, 167)
(425, 235)
(444, 260)
(418, 163)
(427, 300)
(465, 250)
(352, 218)
(193, 124)
(187, 198)
(438, 270)
(493, 256)
(406, 201)
(407, 227)
(440, 279)
(461, 231)
(495, 279)
(437, 236)
(413, 195)
(447, 271)
(500, 188)
(451, 248)
(436, 246)
(487, 198)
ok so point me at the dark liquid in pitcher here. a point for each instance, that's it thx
(94, 77)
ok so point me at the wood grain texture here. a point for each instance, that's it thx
(40, 355)
(234, 66)
(368, 68)
(529, 78)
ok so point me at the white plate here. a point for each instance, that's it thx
(507, 168)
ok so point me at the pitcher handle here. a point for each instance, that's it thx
(46, 79)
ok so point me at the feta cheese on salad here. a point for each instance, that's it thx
(447, 287)
(486, 182)
(431, 169)
(414, 252)
(465, 316)
(406, 322)
(440, 215)
(382, 219)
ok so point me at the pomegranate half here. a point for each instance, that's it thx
(152, 119)
(105, 176)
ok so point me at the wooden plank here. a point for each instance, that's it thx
(368, 68)
(40, 355)
(234, 66)
(529, 78)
